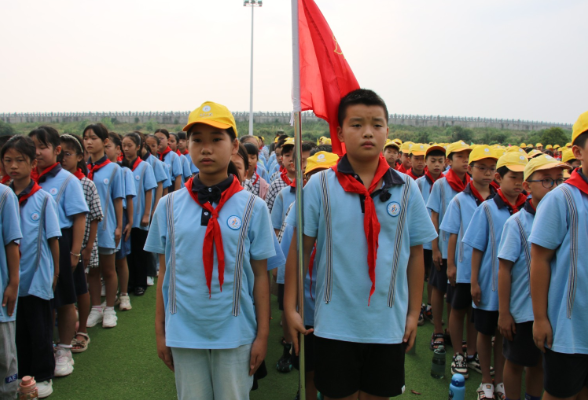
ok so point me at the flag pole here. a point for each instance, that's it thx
(299, 184)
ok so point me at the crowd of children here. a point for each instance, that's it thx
(491, 233)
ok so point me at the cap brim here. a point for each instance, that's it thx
(392, 145)
(553, 165)
(433, 148)
(319, 167)
(214, 124)
(516, 167)
(460, 150)
(419, 153)
(484, 157)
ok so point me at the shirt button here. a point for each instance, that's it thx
(210, 189)
(205, 213)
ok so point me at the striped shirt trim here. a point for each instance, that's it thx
(107, 201)
(283, 227)
(443, 209)
(41, 230)
(461, 232)
(329, 237)
(494, 258)
(62, 189)
(171, 233)
(238, 282)
(526, 249)
(573, 276)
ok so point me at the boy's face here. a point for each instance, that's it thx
(182, 145)
(435, 164)
(460, 161)
(17, 165)
(538, 189)
(279, 155)
(46, 154)
(575, 164)
(511, 183)
(211, 148)
(364, 132)
(418, 164)
(405, 160)
(163, 142)
(483, 171)
(288, 160)
(391, 155)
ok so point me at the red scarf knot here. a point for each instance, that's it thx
(136, 163)
(79, 174)
(162, 154)
(457, 184)
(34, 189)
(284, 176)
(517, 206)
(36, 176)
(578, 182)
(93, 168)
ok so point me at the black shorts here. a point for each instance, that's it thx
(522, 349)
(485, 322)
(65, 291)
(449, 294)
(308, 353)
(281, 296)
(428, 255)
(343, 368)
(79, 278)
(438, 279)
(462, 296)
(564, 374)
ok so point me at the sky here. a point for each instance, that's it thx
(516, 59)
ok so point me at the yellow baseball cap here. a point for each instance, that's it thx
(288, 142)
(392, 143)
(580, 126)
(398, 141)
(480, 153)
(405, 148)
(529, 146)
(542, 163)
(538, 145)
(321, 160)
(557, 146)
(514, 149)
(457, 147)
(567, 155)
(523, 146)
(533, 153)
(513, 160)
(548, 147)
(569, 145)
(434, 147)
(212, 114)
(419, 149)
(327, 142)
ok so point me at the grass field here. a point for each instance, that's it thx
(122, 363)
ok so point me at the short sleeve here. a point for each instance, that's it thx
(74, 201)
(52, 228)
(452, 220)
(312, 205)
(186, 167)
(421, 229)
(176, 165)
(477, 234)
(168, 181)
(551, 221)
(277, 211)
(149, 178)
(510, 242)
(260, 233)
(10, 218)
(130, 188)
(434, 202)
(159, 172)
(157, 236)
(118, 184)
(278, 260)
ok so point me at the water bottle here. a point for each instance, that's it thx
(28, 389)
(457, 387)
(438, 364)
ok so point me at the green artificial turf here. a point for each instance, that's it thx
(122, 363)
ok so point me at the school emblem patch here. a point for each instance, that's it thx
(106, 181)
(393, 208)
(234, 222)
(137, 177)
(53, 191)
(34, 216)
(206, 108)
(321, 157)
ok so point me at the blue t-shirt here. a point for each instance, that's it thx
(193, 167)
(159, 170)
(439, 199)
(261, 171)
(515, 247)
(109, 181)
(128, 185)
(193, 318)
(186, 170)
(174, 165)
(143, 180)
(67, 192)
(343, 285)
(279, 260)
(39, 222)
(484, 234)
(561, 224)
(425, 186)
(9, 232)
(281, 205)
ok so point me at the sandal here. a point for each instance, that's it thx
(80, 345)
(437, 340)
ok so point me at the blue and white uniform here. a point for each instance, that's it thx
(9, 232)
(144, 180)
(109, 181)
(441, 195)
(282, 203)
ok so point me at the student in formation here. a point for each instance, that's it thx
(515, 321)
(367, 288)
(216, 342)
(287, 173)
(435, 163)
(558, 276)
(444, 190)
(72, 160)
(482, 168)
(109, 181)
(10, 236)
(391, 152)
(259, 165)
(159, 168)
(170, 158)
(405, 164)
(71, 204)
(39, 264)
(483, 235)
(253, 182)
(568, 157)
(417, 161)
(186, 169)
(278, 166)
(143, 181)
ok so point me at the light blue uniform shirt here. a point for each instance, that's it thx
(159, 170)
(425, 186)
(109, 181)
(279, 260)
(281, 205)
(9, 232)
(439, 200)
(186, 171)
(39, 222)
(261, 171)
(128, 185)
(67, 192)
(561, 224)
(174, 165)
(484, 234)
(335, 218)
(515, 247)
(193, 319)
(193, 167)
(144, 180)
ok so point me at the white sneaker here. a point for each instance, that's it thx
(150, 281)
(125, 303)
(110, 319)
(45, 389)
(63, 362)
(95, 317)
(116, 302)
(485, 391)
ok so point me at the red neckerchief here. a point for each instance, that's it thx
(412, 175)
(433, 180)
(401, 168)
(476, 194)
(495, 185)
(79, 174)
(161, 155)
(34, 189)
(284, 176)
(93, 168)
(520, 201)
(256, 178)
(136, 163)
(5, 179)
(119, 158)
(578, 182)
(456, 184)
(185, 152)
(35, 172)
(213, 236)
(371, 225)
(178, 152)
(310, 265)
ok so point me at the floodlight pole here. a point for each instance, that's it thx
(252, 4)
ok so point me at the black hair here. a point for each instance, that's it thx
(581, 140)
(251, 149)
(281, 140)
(549, 153)
(244, 154)
(115, 139)
(181, 135)
(325, 147)
(150, 137)
(174, 135)
(360, 96)
(435, 153)
(99, 130)
(246, 138)
(287, 148)
(136, 138)
(47, 137)
(4, 139)
(162, 130)
(22, 144)
(571, 160)
(502, 171)
(230, 131)
(537, 155)
(307, 146)
(75, 142)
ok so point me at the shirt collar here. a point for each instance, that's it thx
(499, 202)
(97, 162)
(493, 191)
(582, 174)
(391, 178)
(26, 191)
(529, 207)
(198, 186)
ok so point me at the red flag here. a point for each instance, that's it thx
(325, 75)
